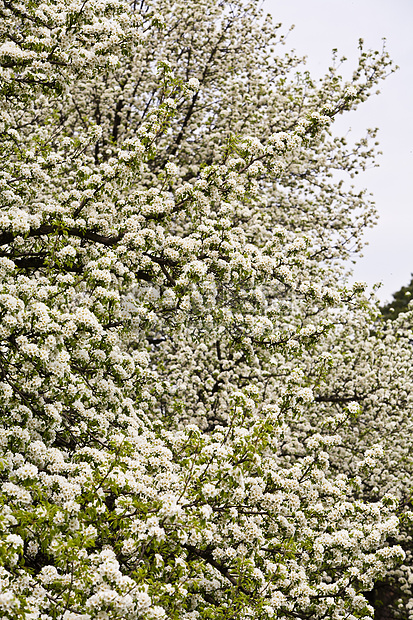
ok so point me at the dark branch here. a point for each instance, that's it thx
(205, 555)
(331, 398)
(8, 237)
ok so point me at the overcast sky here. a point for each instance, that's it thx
(320, 26)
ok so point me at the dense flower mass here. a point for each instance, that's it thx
(200, 419)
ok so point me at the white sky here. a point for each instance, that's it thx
(320, 26)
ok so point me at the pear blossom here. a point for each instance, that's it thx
(200, 417)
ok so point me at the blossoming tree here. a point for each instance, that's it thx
(183, 366)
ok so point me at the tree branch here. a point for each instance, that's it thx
(45, 229)
(205, 555)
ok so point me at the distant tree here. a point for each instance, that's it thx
(400, 303)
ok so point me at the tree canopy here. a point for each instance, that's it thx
(200, 417)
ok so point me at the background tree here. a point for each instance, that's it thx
(182, 362)
(400, 302)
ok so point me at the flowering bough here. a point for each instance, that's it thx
(179, 358)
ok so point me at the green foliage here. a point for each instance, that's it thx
(400, 303)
